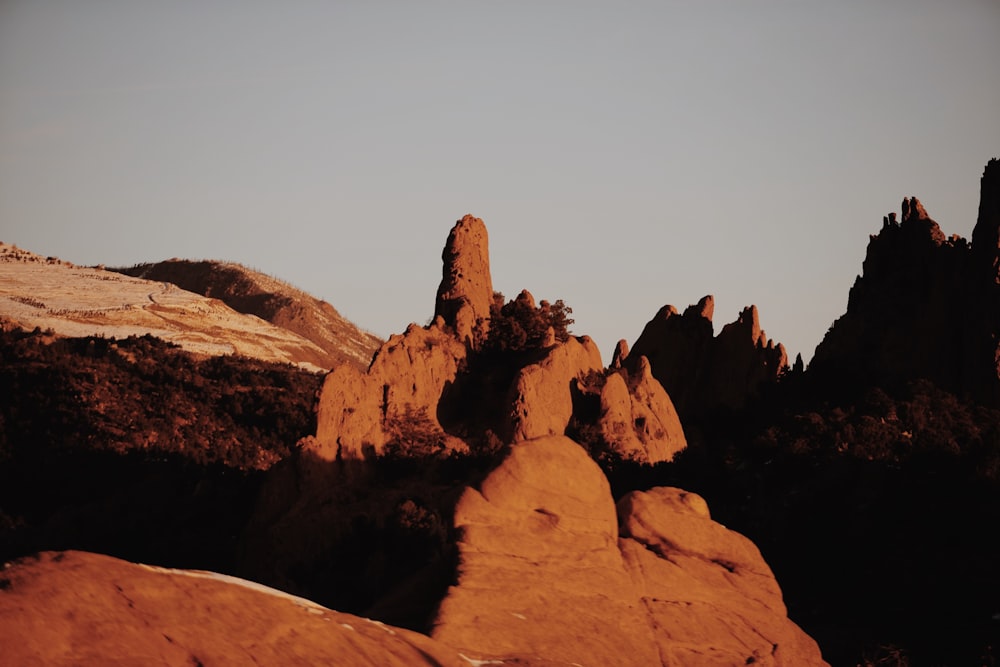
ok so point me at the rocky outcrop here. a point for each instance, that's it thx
(83, 609)
(438, 380)
(466, 290)
(700, 371)
(708, 592)
(358, 413)
(925, 307)
(547, 576)
(638, 420)
(541, 400)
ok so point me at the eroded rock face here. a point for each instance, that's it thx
(466, 290)
(638, 419)
(926, 306)
(541, 399)
(545, 577)
(701, 371)
(707, 590)
(356, 410)
(81, 609)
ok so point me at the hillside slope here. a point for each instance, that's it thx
(75, 301)
(255, 293)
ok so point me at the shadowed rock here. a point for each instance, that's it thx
(701, 371)
(925, 307)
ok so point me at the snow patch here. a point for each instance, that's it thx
(308, 605)
(479, 663)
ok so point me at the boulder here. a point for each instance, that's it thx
(541, 396)
(638, 419)
(80, 609)
(541, 579)
(707, 590)
(547, 575)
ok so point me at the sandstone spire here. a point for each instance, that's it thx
(466, 290)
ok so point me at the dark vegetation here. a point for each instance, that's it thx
(520, 326)
(137, 449)
(877, 510)
(517, 337)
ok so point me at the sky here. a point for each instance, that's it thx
(623, 155)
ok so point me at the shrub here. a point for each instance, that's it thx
(519, 325)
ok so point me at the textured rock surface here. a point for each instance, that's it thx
(709, 594)
(80, 609)
(541, 400)
(701, 372)
(926, 306)
(638, 419)
(541, 579)
(544, 577)
(466, 290)
(356, 410)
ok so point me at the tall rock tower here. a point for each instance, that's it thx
(466, 290)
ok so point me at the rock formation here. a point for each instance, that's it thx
(701, 372)
(638, 419)
(541, 402)
(82, 609)
(466, 290)
(569, 580)
(926, 306)
(439, 378)
(357, 410)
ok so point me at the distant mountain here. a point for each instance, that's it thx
(273, 321)
(275, 301)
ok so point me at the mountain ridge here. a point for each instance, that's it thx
(52, 294)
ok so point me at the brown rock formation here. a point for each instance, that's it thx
(707, 590)
(926, 306)
(638, 419)
(356, 411)
(546, 579)
(701, 372)
(82, 609)
(466, 290)
(541, 399)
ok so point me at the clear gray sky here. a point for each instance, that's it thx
(624, 155)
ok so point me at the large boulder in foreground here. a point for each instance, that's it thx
(82, 609)
(707, 590)
(546, 576)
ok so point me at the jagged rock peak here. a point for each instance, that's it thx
(914, 217)
(912, 209)
(704, 308)
(986, 234)
(620, 353)
(701, 371)
(466, 290)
